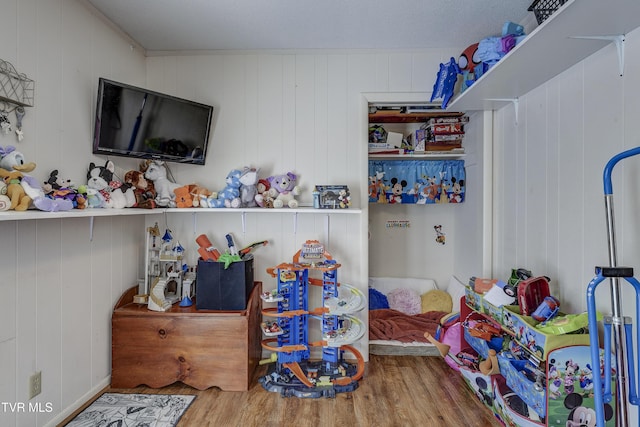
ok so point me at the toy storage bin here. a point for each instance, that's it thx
(493, 311)
(543, 9)
(480, 384)
(538, 343)
(480, 345)
(512, 370)
(510, 408)
(473, 299)
(219, 288)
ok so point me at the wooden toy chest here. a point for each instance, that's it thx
(201, 348)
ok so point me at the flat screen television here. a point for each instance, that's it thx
(135, 122)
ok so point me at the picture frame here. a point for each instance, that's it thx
(331, 197)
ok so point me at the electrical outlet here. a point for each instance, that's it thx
(35, 384)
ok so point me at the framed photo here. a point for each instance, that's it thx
(331, 197)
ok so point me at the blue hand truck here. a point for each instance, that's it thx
(617, 325)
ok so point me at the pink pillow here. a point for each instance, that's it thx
(405, 300)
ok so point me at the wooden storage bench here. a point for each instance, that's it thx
(201, 348)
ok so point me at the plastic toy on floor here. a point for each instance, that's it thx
(293, 372)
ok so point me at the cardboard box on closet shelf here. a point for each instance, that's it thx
(219, 288)
(394, 139)
(417, 139)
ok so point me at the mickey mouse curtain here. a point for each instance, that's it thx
(416, 181)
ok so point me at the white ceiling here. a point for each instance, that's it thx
(171, 25)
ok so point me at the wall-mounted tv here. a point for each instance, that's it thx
(136, 122)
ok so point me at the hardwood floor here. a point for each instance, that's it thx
(396, 391)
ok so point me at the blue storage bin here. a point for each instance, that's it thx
(522, 381)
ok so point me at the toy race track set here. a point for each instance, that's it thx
(293, 373)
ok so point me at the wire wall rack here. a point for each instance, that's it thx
(15, 87)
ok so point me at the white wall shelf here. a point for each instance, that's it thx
(571, 34)
(92, 213)
(425, 156)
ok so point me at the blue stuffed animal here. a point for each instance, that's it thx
(229, 197)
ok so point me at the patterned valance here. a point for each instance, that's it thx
(416, 181)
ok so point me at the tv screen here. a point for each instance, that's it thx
(135, 122)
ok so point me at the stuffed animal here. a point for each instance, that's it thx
(116, 194)
(248, 187)
(11, 159)
(183, 197)
(199, 195)
(143, 189)
(283, 190)
(156, 171)
(19, 199)
(57, 188)
(5, 201)
(263, 199)
(229, 197)
(93, 197)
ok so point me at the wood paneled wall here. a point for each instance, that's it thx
(549, 213)
(281, 111)
(58, 286)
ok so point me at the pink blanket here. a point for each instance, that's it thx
(388, 324)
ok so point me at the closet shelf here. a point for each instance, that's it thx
(91, 213)
(553, 47)
(426, 156)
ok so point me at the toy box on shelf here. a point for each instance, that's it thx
(537, 341)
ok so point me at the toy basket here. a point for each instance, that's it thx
(544, 8)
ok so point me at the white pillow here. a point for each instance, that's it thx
(456, 289)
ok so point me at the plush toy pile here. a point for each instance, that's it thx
(147, 188)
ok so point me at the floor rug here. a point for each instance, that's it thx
(126, 410)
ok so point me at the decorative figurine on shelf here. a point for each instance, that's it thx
(186, 293)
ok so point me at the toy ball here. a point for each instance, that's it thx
(469, 58)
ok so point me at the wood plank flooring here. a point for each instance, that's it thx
(396, 391)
